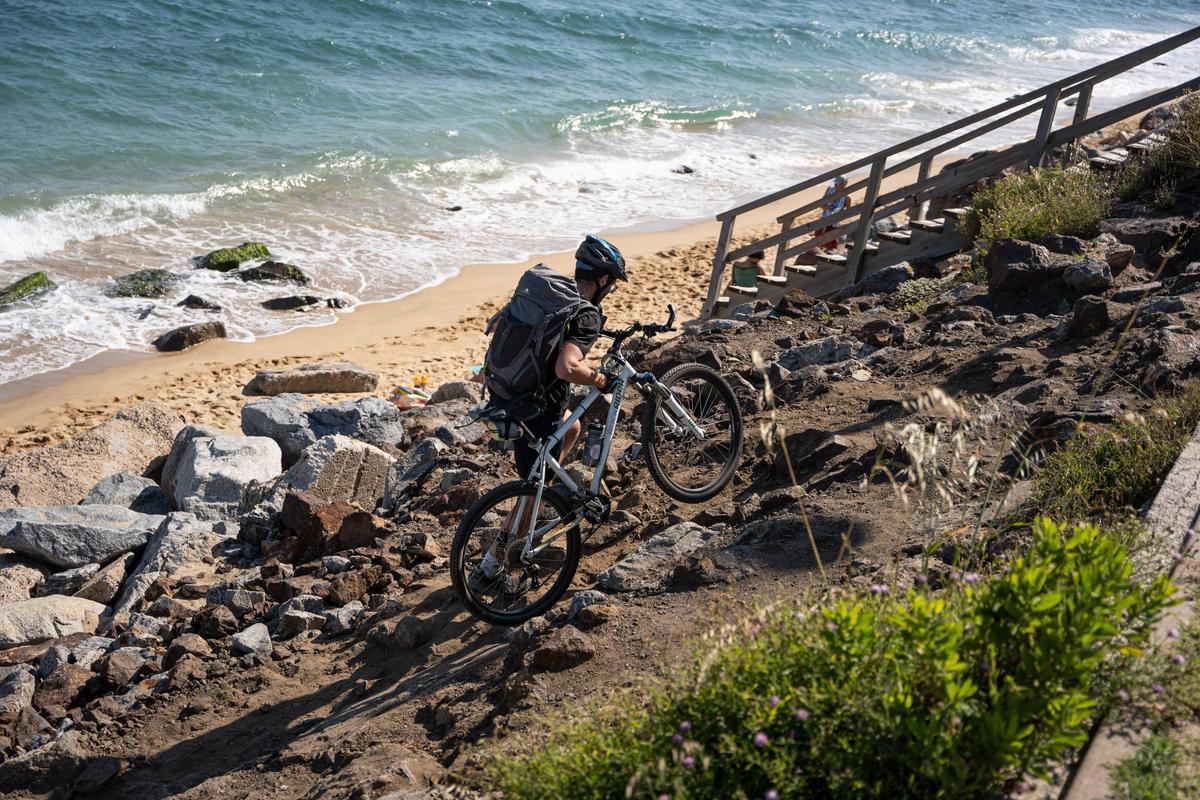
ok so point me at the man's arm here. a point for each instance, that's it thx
(571, 368)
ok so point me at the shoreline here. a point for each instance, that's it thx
(436, 331)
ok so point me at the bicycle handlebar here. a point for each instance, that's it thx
(638, 327)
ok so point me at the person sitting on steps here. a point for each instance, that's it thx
(747, 270)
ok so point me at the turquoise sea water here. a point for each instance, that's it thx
(138, 134)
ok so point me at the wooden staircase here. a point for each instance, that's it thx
(882, 186)
(931, 238)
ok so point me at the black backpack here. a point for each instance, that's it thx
(529, 333)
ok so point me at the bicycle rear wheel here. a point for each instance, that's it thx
(687, 467)
(518, 591)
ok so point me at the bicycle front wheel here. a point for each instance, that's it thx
(688, 467)
(516, 589)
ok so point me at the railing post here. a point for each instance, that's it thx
(1049, 107)
(919, 210)
(1083, 103)
(787, 226)
(854, 264)
(714, 285)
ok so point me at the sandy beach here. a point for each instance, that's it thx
(437, 332)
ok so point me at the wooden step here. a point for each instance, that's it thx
(806, 270)
(771, 281)
(955, 214)
(895, 237)
(928, 225)
(833, 259)
(743, 291)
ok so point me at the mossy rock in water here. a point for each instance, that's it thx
(143, 283)
(230, 258)
(28, 287)
(274, 271)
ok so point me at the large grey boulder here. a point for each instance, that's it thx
(325, 376)
(181, 540)
(1089, 275)
(1151, 237)
(71, 536)
(651, 563)
(61, 474)
(179, 446)
(255, 639)
(409, 470)
(457, 390)
(295, 422)
(132, 491)
(1014, 265)
(214, 472)
(339, 468)
(42, 618)
(828, 350)
(186, 336)
(885, 281)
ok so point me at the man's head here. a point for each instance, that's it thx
(598, 267)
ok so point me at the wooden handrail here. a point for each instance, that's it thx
(857, 219)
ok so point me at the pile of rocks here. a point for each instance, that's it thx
(194, 550)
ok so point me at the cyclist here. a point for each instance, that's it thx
(598, 267)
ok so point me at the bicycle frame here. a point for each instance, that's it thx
(671, 412)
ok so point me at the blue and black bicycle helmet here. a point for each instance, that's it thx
(598, 257)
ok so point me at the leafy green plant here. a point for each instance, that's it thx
(882, 694)
(1028, 205)
(1101, 473)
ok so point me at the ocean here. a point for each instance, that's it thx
(140, 134)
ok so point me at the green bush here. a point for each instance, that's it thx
(1167, 170)
(915, 294)
(1104, 473)
(955, 694)
(1029, 205)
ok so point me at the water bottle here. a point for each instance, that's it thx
(593, 444)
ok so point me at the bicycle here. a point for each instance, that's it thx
(690, 413)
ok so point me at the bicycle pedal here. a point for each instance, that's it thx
(597, 509)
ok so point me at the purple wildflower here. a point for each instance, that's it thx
(879, 589)
(689, 762)
(1157, 688)
(832, 626)
(664, 796)
(1178, 556)
(1172, 633)
(774, 701)
(921, 578)
(677, 739)
(802, 715)
(1179, 659)
(1123, 695)
(771, 795)
(970, 578)
(761, 740)
(685, 727)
